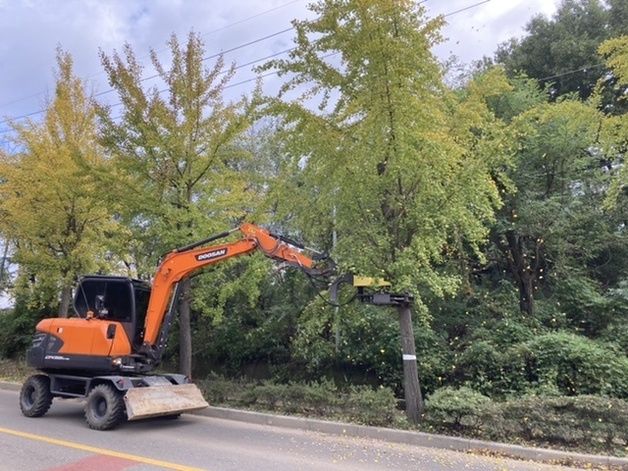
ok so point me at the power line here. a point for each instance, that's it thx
(227, 51)
(235, 48)
(252, 17)
(270, 56)
(571, 72)
(222, 28)
(217, 54)
(465, 8)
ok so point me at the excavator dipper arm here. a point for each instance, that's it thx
(181, 262)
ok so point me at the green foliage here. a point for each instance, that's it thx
(567, 42)
(366, 346)
(359, 404)
(17, 331)
(615, 51)
(499, 203)
(53, 211)
(576, 365)
(178, 169)
(31, 305)
(553, 231)
(554, 363)
(389, 146)
(458, 409)
(251, 336)
(588, 423)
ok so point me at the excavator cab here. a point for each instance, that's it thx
(114, 298)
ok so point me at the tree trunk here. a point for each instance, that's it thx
(526, 294)
(66, 297)
(185, 331)
(411, 387)
(5, 252)
(522, 272)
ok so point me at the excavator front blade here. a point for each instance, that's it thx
(155, 401)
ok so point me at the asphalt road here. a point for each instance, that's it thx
(61, 441)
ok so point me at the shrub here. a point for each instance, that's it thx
(556, 363)
(586, 422)
(18, 327)
(370, 406)
(220, 391)
(360, 404)
(576, 365)
(460, 410)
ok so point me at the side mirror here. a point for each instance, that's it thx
(99, 305)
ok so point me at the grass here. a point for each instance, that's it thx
(15, 371)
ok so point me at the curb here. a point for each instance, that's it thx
(400, 436)
(413, 438)
(10, 386)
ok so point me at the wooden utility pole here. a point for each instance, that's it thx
(411, 387)
(403, 302)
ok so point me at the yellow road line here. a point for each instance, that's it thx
(100, 451)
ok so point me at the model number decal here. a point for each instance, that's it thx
(55, 357)
(210, 255)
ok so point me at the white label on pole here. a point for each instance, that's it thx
(409, 357)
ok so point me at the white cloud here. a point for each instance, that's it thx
(476, 32)
(30, 31)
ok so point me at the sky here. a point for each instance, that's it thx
(31, 30)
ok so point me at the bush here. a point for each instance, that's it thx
(360, 404)
(576, 365)
(17, 331)
(584, 422)
(587, 423)
(556, 363)
(220, 391)
(459, 410)
(370, 406)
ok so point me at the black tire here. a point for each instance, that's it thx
(35, 396)
(104, 409)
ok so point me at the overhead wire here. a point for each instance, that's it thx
(242, 82)
(571, 72)
(215, 55)
(451, 13)
(241, 46)
(222, 28)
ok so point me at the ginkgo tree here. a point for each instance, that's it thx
(382, 152)
(179, 169)
(53, 210)
(395, 161)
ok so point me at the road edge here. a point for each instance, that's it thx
(400, 436)
(413, 438)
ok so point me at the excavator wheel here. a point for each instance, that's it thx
(104, 409)
(35, 396)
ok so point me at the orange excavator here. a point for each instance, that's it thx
(106, 354)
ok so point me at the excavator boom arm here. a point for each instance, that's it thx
(180, 263)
